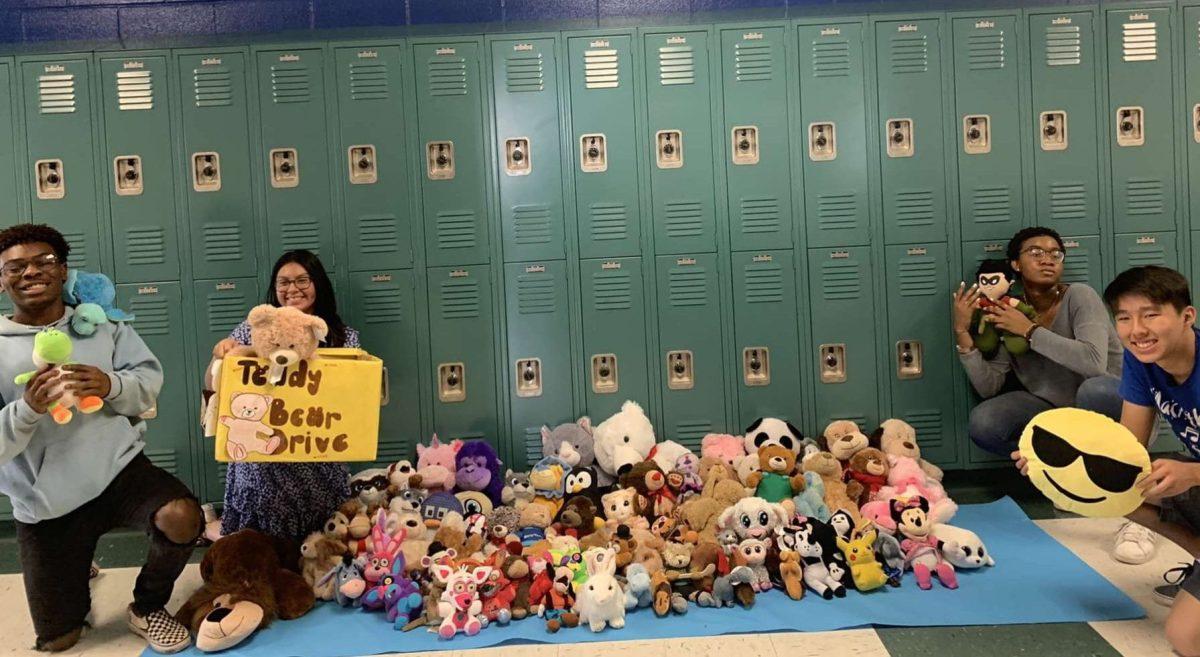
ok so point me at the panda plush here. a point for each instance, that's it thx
(773, 431)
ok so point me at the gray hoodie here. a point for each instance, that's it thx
(47, 469)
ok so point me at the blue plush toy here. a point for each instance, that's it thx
(93, 296)
(811, 501)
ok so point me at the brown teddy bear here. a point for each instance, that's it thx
(650, 482)
(245, 587)
(838, 494)
(899, 438)
(578, 518)
(778, 479)
(283, 337)
(868, 467)
(722, 484)
(843, 439)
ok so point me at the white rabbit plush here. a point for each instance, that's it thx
(600, 601)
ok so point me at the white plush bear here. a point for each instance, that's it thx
(962, 547)
(666, 454)
(623, 440)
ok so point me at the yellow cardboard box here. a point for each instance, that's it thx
(325, 409)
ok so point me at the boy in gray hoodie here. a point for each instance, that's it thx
(71, 483)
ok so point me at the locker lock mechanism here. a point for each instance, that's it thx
(206, 172)
(909, 359)
(440, 160)
(128, 169)
(516, 157)
(977, 134)
(669, 149)
(756, 366)
(833, 363)
(604, 374)
(900, 137)
(593, 156)
(822, 145)
(361, 161)
(285, 168)
(452, 382)
(1130, 126)
(51, 184)
(680, 371)
(529, 377)
(745, 145)
(1054, 131)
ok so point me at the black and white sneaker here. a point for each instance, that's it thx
(160, 629)
(1165, 594)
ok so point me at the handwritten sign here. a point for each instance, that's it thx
(321, 410)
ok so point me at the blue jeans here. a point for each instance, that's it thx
(996, 424)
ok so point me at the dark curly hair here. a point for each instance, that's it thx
(1014, 245)
(31, 233)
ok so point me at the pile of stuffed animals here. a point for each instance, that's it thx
(611, 520)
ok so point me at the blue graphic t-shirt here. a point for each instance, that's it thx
(1150, 385)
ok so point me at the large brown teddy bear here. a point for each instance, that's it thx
(868, 467)
(838, 494)
(245, 587)
(651, 483)
(777, 479)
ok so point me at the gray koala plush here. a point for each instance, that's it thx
(571, 442)
(517, 491)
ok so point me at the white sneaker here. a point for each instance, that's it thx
(1134, 544)
(160, 629)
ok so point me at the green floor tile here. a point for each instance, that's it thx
(1076, 639)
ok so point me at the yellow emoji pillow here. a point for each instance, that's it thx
(1084, 462)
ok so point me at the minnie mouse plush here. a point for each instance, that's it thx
(922, 550)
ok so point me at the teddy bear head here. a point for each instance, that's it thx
(723, 446)
(286, 335)
(646, 477)
(843, 439)
(249, 406)
(624, 439)
(822, 463)
(747, 466)
(777, 459)
(870, 461)
(535, 515)
(897, 437)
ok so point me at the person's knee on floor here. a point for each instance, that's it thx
(180, 521)
(986, 427)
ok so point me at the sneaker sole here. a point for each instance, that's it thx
(1130, 562)
(166, 650)
(1164, 600)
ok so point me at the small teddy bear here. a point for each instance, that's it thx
(778, 480)
(868, 467)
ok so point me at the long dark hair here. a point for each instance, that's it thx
(325, 305)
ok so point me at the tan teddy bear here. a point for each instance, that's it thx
(283, 337)
(777, 479)
(899, 438)
(838, 495)
(843, 439)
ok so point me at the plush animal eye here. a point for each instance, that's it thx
(980, 552)
(626, 502)
(626, 438)
(383, 563)
(967, 550)
(763, 518)
(746, 521)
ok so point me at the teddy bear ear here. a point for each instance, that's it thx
(318, 327)
(260, 315)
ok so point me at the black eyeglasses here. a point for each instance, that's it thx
(301, 283)
(1038, 253)
(1110, 474)
(43, 263)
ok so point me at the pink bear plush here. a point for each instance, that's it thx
(729, 449)
(907, 479)
(435, 464)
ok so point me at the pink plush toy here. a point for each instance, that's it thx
(436, 466)
(907, 479)
(729, 449)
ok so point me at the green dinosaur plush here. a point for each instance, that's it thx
(53, 347)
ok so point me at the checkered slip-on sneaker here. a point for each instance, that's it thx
(160, 629)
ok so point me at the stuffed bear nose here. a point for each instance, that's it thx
(218, 615)
(281, 359)
(908, 445)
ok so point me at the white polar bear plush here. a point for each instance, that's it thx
(962, 547)
(666, 454)
(623, 440)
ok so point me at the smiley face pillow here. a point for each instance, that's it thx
(1084, 462)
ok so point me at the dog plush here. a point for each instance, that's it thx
(899, 438)
(245, 587)
(843, 439)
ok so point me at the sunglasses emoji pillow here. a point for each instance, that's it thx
(1084, 462)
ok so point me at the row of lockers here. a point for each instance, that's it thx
(721, 222)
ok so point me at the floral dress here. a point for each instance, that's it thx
(287, 500)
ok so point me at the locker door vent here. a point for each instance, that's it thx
(676, 65)
(377, 233)
(1068, 200)
(455, 229)
(290, 84)
(225, 311)
(831, 58)
(1063, 45)
(991, 205)
(928, 422)
(145, 245)
(1144, 196)
(752, 62)
(836, 211)
(764, 283)
(447, 76)
(910, 54)
(1077, 267)
(135, 90)
(1139, 41)
(601, 69)
(760, 215)
(153, 315)
(610, 221)
(535, 294)
(523, 72)
(460, 299)
(80, 257)
(222, 241)
(688, 287)
(914, 208)
(383, 303)
(612, 290)
(163, 458)
(300, 234)
(56, 93)
(369, 81)
(531, 224)
(212, 87)
(986, 50)
(918, 277)
(1147, 251)
(684, 219)
(841, 280)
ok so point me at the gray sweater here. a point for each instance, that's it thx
(1081, 343)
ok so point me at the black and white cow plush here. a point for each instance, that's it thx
(816, 543)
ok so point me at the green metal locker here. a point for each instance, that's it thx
(138, 157)
(1141, 119)
(1191, 62)
(60, 154)
(689, 312)
(908, 55)
(220, 305)
(539, 354)
(159, 321)
(986, 95)
(757, 154)
(604, 146)
(920, 346)
(680, 138)
(1084, 263)
(463, 353)
(841, 286)
(833, 116)
(10, 202)
(218, 201)
(1140, 249)
(616, 358)
(1066, 160)
(528, 155)
(371, 164)
(294, 151)
(767, 337)
(450, 129)
(383, 309)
